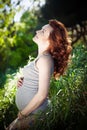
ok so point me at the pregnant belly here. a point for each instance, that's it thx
(23, 96)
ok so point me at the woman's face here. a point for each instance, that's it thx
(43, 34)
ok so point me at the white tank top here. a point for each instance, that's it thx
(27, 91)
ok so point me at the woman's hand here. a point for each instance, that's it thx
(21, 115)
(20, 82)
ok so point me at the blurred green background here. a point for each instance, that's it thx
(19, 19)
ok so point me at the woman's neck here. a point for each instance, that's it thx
(41, 50)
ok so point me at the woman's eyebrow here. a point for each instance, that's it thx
(43, 29)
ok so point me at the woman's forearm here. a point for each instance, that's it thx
(33, 104)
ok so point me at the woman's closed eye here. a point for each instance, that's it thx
(43, 30)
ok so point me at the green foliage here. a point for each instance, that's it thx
(7, 97)
(16, 38)
(69, 94)
(16, 49)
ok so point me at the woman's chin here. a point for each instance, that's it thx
(35, 40)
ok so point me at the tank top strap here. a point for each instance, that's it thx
(43, 54)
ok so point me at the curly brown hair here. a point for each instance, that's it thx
(60, 47)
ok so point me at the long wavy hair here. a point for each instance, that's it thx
(60, 47)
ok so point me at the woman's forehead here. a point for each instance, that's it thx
(47, 26)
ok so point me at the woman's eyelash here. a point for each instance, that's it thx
(43, 30)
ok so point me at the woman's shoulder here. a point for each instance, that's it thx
(45, 56)
(46, 59)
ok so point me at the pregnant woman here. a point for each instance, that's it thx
(53, 54)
